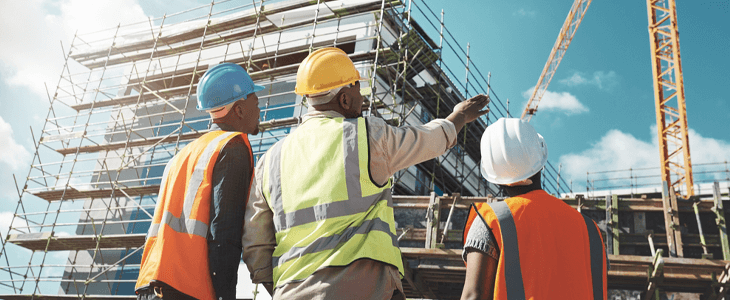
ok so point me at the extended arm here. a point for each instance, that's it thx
(396, 148)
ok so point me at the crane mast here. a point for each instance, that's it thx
(575, 16)
(671, 113)
(671, 116)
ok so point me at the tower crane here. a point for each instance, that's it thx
(575, 16)
(671, 113)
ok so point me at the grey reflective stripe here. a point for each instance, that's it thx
(510, 251)
(331, 242)
(183, 224)
(594, 240)
(352, 159)
(275, 186)
(355, 202)
(189, 226)
(197, 177)
(155, 227)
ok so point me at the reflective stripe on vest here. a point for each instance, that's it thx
(183, 224)
(172, 254)
(511, 251)
(520, 272)
(353, 217)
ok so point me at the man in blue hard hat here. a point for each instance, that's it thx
(198, 232)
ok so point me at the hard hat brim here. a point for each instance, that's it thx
(256, 88)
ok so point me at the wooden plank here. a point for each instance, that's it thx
(627, 271)
(36, 242)
(71, 193)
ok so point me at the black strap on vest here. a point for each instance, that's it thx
(510, 251)
(594, 240)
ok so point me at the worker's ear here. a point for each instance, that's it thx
(344, 100)
(238, 108)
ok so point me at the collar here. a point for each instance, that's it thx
(321, 114)
(221, 126)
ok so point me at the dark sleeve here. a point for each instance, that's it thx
(231, 180)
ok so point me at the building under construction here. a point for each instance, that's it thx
(125, 105)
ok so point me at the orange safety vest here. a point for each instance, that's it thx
(176, 249)
(548, 250)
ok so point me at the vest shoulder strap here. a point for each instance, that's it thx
(510, 250)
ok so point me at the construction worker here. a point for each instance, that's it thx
(531, 245)
(193, 246)
(328, 186)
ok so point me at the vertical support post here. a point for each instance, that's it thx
(375, 60)
(699, 227)
(509, 115)
(457, 197)
(432, 221)
(579, 199)
(609, 221)
(675, 221)
(560, 166)
(669, 220)
(614, 221)
(612, 224)
(720, 220)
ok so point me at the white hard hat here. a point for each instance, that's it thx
(512, 151)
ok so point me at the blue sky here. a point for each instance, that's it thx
(598, 114)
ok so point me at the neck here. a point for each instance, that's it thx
(513, 191)
(224, 126)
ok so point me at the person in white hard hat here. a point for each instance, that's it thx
(531, 245)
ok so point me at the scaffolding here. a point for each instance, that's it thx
(125, 104)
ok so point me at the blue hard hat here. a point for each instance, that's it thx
(223, 84)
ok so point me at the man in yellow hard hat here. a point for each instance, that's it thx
(328, 186)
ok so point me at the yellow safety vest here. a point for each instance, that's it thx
(327, 209)
(176, 249)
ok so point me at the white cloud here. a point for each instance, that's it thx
(524, 13)
(31, 31)
(618, 150)
(600, 79)
(13, 155)
(6, 217)
(558, 101)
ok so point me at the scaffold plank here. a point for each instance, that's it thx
(169, 93)
(71, 193)
(222, 38)
(246, 18)
(39, 241)
(442, 267)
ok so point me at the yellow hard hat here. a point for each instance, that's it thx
(323, 70)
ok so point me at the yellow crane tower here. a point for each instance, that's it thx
(671, 113)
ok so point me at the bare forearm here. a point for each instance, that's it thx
(481, 271)
(458, 119)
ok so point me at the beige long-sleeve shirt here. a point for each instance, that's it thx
(391, 149)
